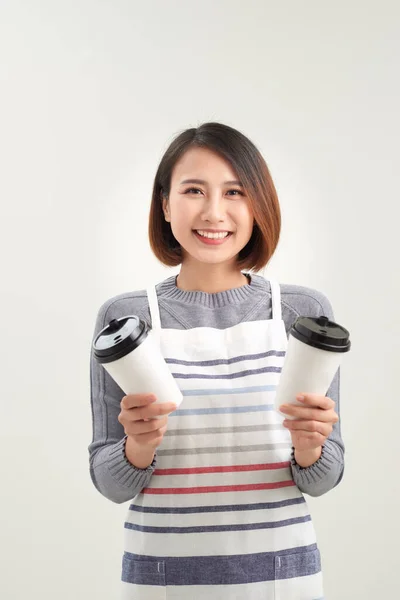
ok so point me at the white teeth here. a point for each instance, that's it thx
(213, 236)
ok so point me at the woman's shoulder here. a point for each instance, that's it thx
(305, 300)
(134, 301)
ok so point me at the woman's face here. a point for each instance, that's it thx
(215, 203)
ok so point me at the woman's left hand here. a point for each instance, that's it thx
(313, 422)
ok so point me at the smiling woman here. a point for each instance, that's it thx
(233, 192)
(218, 482)
(212, 223)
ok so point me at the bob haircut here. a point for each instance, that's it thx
(252, 171)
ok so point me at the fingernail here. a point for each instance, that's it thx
(300, 398)
(283, 408)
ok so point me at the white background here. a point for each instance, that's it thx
(92, 93)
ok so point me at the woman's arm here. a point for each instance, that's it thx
(113, 475)
(327, 471)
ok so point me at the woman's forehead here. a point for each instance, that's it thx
(205, 165)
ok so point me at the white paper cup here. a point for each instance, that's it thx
(314, 353)
(129, 352)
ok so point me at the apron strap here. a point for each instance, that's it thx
(154, 311)
(276, 300)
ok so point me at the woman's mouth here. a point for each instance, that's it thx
(212, 238)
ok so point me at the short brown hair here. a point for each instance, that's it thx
(252, 170)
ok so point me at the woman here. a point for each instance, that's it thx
(217, 486)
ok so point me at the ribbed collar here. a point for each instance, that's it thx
(169, 290)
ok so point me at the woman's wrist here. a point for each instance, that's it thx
(139, 457)
(306, 458)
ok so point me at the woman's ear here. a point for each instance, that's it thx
(165, 207)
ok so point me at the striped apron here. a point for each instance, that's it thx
(222, 518)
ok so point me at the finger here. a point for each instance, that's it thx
(315, 436)
(134, 400)
(140, 428)
(316, 401)
(151, 436)
(308, 414)
(311, 436)
(312, 426)
(153, 411)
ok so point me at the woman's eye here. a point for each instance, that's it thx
(192, 190)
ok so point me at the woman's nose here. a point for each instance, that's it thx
(214, 209)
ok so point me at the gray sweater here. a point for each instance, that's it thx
(111, 472)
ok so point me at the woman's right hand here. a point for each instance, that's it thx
(143, 419)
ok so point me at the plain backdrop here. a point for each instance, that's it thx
(92, 93)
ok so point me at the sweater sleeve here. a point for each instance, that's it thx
(328, 470)
(111, 472)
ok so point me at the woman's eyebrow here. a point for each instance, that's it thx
(202, 182)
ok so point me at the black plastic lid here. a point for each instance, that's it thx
(321, 333)
(119, 338)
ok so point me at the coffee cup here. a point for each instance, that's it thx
(314, 353)
(129, 351)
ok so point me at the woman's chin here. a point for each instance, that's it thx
(210, 258)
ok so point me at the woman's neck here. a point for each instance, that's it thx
(209, 278)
